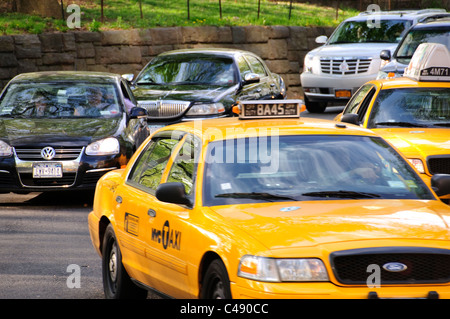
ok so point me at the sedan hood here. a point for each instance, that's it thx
(204, 93)
(418, 141)
(36, 131)
(302, 224)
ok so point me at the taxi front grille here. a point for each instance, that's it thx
(423, 267)
(34, 154)
(164, 109)
(345, 66)
(439, 164)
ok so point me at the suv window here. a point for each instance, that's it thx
(363, 31)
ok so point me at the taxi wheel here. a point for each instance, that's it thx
(216, 284)
(116, 282)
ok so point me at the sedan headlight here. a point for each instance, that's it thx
(5, 149)
(278, 270)
(206, 109)
(107, 146)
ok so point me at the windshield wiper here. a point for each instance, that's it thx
(403, 124)
(442, 124)
(342, 194)
(256, 195)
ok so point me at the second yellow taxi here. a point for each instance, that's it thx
(266, 207)
(411, 112)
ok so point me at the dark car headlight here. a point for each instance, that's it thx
(106, 146)
(206, 109)
(5, 149)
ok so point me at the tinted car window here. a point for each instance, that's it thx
(256, 65)
(418, 36)
(189, 69)
(307, 168)
(148, 169)
(362, 31)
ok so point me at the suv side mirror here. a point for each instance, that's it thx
(385, 55)
(440, 183)
(322, 39)
(173, 192)
(350, 118)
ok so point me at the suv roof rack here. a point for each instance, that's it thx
(403, 12)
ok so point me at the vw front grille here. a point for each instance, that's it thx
(34, 154)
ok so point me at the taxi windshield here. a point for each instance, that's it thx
(307, 167)
(390, 31)
(60, 100)
(411, 107)
(412, 40)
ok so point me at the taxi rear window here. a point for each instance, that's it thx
(306, 167)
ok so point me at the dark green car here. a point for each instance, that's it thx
(202, 83)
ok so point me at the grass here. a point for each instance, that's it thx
(126, 14)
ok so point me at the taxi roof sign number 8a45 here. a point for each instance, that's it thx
(430, 62)
(260, 109)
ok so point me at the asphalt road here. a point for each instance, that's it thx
(45, 248)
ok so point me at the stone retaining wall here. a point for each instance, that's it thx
(127, 51)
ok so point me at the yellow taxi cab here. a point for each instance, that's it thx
(411, 112)
(267, 207)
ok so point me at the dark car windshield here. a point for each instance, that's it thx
(305, 168)
(189, 69)
(415, 37)
(411, 107)
(370, 30)
(60, 100)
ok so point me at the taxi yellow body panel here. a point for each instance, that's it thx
(170, 252)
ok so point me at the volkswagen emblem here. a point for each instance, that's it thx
(48, 153)
(395, 267)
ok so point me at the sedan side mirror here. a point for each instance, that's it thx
(385, 55)
(251, 78)
(350, 118)
(137, 112)
(173, 192)
(441, 184)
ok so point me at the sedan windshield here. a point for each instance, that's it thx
(308, 167)
(189, 69)
(370, 31)
(415, 37)
(411, 107)
(60, 100)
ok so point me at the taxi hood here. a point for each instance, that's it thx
(302, 224)
(418, 141)
(17, 132)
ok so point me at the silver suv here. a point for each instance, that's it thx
(351, 56)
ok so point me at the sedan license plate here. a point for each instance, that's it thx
(47, 170)
(343, 94)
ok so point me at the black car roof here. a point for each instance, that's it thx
(211, 51)
(76, 76)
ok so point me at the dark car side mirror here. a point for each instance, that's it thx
(385, 55)
(350, 118)
(173, 192)
(440, 183)
(251, 78)
(137, 112)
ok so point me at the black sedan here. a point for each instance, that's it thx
(202, 83)
(64, 130)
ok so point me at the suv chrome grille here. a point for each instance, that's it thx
(34, 154)
(345, 66)
(164, 109)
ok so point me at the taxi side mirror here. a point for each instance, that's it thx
(173, 192)
(350, 118)
(440, 183)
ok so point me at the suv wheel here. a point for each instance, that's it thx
(315, 107)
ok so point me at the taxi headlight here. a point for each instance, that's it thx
(107, 146)
(278, 270)
(5, 149)
(418, 164)
(206, 109)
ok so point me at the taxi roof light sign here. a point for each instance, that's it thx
(430, 62)
(264, 109)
